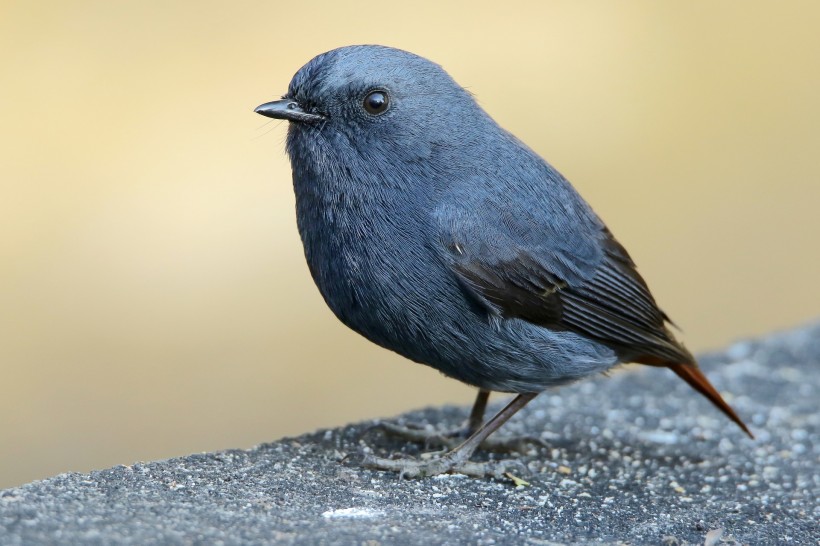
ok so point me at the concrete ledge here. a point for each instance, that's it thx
(637, 458)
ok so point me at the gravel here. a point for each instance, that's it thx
(636, 458)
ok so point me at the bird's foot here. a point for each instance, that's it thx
(426, 436)
(445, 464)
(449, 440)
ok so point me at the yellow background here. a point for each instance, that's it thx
(154, 300)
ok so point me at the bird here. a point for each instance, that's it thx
(433, 232)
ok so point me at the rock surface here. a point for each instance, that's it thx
(637, 458)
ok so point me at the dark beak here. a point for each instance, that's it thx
(287, 109)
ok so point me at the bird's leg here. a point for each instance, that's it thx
(451, 439)
(477, 413)
(457, 460)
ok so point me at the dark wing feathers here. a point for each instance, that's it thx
(611, 304)
(516, 288)
(560, 268)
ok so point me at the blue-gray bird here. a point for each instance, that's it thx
(435, 233)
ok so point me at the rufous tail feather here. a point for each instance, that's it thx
(692, 375)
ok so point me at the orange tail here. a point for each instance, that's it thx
(692, 375)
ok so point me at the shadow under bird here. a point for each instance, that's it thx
(435, 233)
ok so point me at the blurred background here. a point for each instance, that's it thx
(154, 299)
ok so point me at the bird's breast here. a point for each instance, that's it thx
(367, 257)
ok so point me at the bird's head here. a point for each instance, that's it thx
(369, 106)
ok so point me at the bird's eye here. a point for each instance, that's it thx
(376, 102)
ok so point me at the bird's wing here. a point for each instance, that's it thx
(576, 278)
(535, 251)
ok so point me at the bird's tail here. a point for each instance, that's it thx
(692, 375)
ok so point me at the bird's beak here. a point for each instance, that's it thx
(287, 109)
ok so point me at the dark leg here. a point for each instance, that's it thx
(456, 460)
(451, 439)
(477, 415)
(448, 439)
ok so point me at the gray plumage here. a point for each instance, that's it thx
(437, 234)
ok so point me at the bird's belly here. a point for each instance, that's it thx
(409, 302)
(445, 330)
(372, 296)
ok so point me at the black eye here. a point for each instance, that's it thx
(376, 102)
